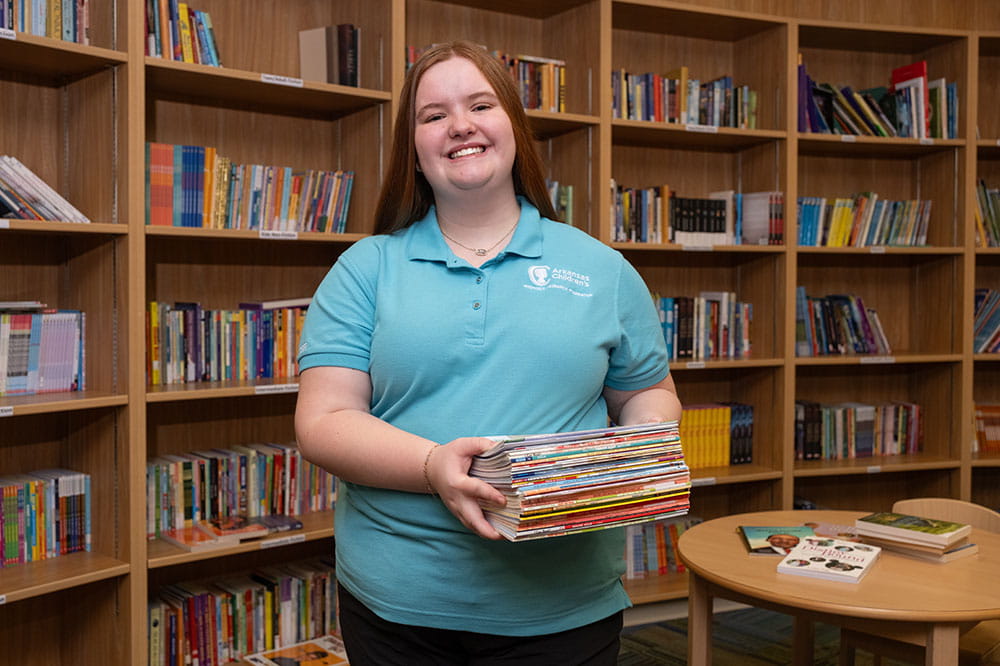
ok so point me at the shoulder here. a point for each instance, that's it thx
(561, 238)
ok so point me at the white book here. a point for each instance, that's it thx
(830, 559)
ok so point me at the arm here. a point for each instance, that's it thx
(336, 431)
(653, 404)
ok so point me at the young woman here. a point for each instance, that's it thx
(470, 313)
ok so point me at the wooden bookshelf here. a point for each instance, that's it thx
(79, 116)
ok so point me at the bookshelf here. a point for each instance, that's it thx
(79, 116)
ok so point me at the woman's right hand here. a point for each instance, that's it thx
(447, 471)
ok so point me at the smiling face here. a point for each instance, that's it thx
(462, 135)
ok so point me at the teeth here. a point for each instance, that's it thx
(466, 151)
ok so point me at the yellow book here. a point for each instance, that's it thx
(725, 431)
(209, 187)
(53, 24)
(184, 28)
(153, 340)
(681, 75)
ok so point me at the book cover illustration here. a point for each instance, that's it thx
(830, 559)
(911, 528)
(761, 540)
(316, 652)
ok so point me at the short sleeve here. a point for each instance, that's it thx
(640, 358)
(340, 319)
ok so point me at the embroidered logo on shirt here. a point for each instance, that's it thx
(545, 277)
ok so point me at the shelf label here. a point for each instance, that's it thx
(280, 235)
(703, 481)
(926, 142)
(848, 138)
(705, 129)
(878, 249)
(276, 388)
(3, 599)
(282, 541)
(281, 80)
(697, 248)
(877, 360)
(695, 365)
(998, 143)
(6, 411)
(874, 469)
(4, 224)
(7, 33)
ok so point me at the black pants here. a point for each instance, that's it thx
(372, 641)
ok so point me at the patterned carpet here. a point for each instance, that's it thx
(749, 637)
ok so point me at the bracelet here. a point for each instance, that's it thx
(427, 460)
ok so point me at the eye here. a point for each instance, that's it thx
(433, 117)
(482, 106)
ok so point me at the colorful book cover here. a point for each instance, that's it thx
(770, 540)
(830, 559)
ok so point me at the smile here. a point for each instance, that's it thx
(465, 152)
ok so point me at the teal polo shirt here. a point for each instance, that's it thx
(523, 344)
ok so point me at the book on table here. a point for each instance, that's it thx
(322, 650)
(911, 529)
(585, 480)
(955, 551)
(768, 540)
(830, 559)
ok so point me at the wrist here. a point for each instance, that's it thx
(427, 469)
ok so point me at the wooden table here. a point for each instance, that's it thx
(900, 595)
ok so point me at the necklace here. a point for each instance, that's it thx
(480, 251)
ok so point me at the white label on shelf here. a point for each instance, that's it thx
(276, 388)
(3, 599)
(707, 129)
(878, 249)
(873, 469)
(282, 235)
(703, 481)
(848, 138)
(695, 365)
(281, 80)
(926, 142)
(877, 360)
(283, 541)
(7, 33)
(998, 143)
(4, 224)
(7, 411)
(697, 248)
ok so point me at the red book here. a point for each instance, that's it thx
(915, 75)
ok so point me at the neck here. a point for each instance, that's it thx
(478, 222)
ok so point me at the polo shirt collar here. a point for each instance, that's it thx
(425, 241)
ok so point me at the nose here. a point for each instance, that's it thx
(461, 124)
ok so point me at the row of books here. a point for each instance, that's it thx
(987, 213)
(246, 481)
(25, 196)
(41, 350)
(727, 217)
(330, 53)
(856, 430)
(651, 548)
(675, 97)
(986, 323)
(220, 621)
(195, 186)
(43, 514)
(837, 324)
(717, 434)
(561, 196)
(540, 81)
(587, 480)
(862, 220)
(188, 343)
(987, 419)
(911, 105)
(68, 20)
(176, 31)
(710, 326)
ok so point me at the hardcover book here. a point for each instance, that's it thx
(903, 527)
(315, 652)
(773, 540)
(830, 559)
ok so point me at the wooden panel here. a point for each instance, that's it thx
(986, 486)
(988, 113)
(709, 502)
(875, 492)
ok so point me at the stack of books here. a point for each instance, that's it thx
(914, 536)
(585, 480)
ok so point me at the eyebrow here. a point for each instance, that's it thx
(476, 96)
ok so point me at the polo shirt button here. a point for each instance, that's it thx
(479, 278)
(477, 305)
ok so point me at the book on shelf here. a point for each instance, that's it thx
(847, 430)
(651, 548)
(322, 650)
(330, 54)
(65, 20)
(911, 81)
(25, 196)
(195, 538)
(717, 434)
(987, 215)
(177, 31)
(773, 540)
(830, 559)
(986, 322)
(235, 528)
(987, 420)
(273, 304)
(906, 528)
(565, 483)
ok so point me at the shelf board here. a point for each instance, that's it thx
(701, 23)
(256, 90)
(252, 234)
(43, 226)
(34, 579)
(849, 145)
(550, 124)
(882, 249)
(887, 39)
(673, 247)
(984, 460)
(729, 474)
(645, 133)
(653, 588)
(987, 358)
(314, 526)
(889, 359)
(874, 465)
(55, 60)
(988, 149)
(209, 390)
(988, 251)
(527, 8)
(54, 403)
(733, 363)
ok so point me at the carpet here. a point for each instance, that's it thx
(746, 637)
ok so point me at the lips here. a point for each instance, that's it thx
(466, 151)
